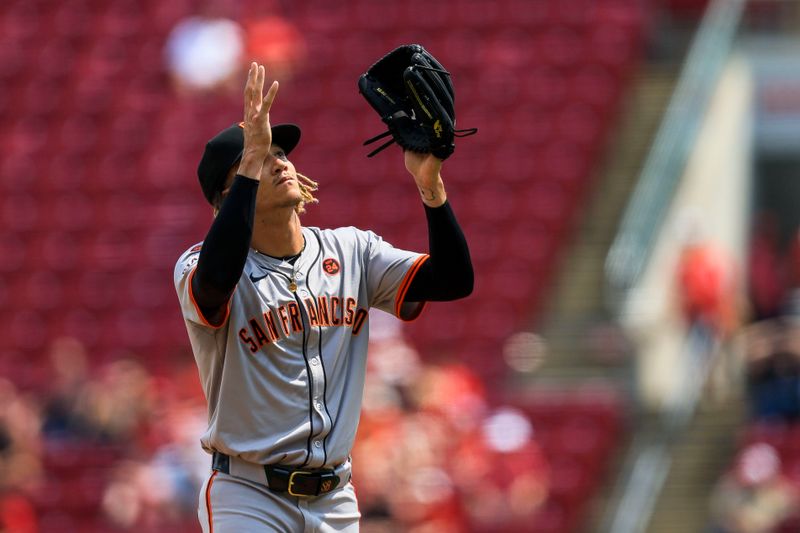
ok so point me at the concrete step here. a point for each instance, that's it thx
(577, 297)
(697, 463)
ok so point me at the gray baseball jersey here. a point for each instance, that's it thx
(283, 374)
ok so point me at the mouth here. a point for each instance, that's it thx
(283, 179)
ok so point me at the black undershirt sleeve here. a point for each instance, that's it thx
(447, 274)
(225, 248)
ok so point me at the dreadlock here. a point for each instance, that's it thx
(307, 188)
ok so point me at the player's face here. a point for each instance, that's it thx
(279, 187)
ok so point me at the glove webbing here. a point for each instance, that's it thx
(466, 132)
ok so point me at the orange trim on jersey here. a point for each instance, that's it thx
(208, 501)
(406, 283)
(200, 312)
(358, 505)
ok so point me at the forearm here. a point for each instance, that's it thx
(225, 247)
(447, 274)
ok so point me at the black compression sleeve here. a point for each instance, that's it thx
(447, 274)
(225, 248)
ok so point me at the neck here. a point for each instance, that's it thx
(278, 234)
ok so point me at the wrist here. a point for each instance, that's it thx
(251, 164)
(432, 194)
(437, 202)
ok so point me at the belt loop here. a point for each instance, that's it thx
(221, 463)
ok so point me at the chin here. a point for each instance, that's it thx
(282, 203)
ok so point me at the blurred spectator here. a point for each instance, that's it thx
(122, 501)
(20, 440)
(68, 378)
(708, 283)
(118, 404)
(20, 459)
(277, 43)
(205, 53)
(500, 472)
(452, 391)
(421, 493)
(754, 497)
(163, 488)
(773, 369)
(181, 464)
(711, 304)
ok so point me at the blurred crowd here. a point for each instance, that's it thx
(772, 337)
(760, 491)
(432, 455)
(100, 447)
(114, 447)
(752, 311)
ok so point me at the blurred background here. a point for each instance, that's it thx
(629, 361)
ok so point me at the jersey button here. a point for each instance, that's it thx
(318, 405)
(317, 443)
(315, 361)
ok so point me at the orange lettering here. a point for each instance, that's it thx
(336, 302)
(361, 317)
(294, 315)
(284, 320)
(324, 318)
(311, 306)
(350, 313)
(259, 334)
(248, 340)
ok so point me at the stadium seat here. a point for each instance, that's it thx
(322, 16)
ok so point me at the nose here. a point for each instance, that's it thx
(278, 164)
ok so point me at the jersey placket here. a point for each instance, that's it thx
(321, 423)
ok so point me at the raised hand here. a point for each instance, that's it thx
(256, 126)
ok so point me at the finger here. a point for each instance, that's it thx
(270, 97)
(248, 91)
(260, 75)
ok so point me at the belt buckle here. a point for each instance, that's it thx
(291, 481)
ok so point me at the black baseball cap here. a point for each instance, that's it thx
(225, 149)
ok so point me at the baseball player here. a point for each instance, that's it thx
(277, 316)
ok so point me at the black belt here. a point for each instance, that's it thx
(294, 481)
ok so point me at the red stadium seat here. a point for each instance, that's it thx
(322, 16)
(560, 46)
(13, 253)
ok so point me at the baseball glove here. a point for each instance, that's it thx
(413, 94)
